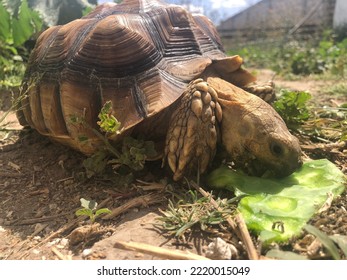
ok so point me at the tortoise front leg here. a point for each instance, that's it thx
(192, 135)
(265, 91)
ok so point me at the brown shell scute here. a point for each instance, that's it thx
(140, 55)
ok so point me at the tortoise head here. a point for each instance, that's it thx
(254, 135)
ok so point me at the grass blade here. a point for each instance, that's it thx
(284, 255)
(325, 239)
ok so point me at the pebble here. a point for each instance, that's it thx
(35, 251)
(86, 252)
(37, 238)
(53, 206)
(64, 242)
(221, 250)
(54, 242)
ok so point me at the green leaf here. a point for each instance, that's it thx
(25, 24)
(102, 211)
(289, 202)
(284, 255)
(95, 164)
(325, 239)
(84, 212)
(5, 24)
(340, 240)
(292, 107)
(108, 122)
(86, 10)
(135, 152)
(88, 204)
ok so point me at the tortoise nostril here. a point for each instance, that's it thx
(276, 149)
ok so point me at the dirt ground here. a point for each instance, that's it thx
(41, 184)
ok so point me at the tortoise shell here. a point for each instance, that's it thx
(140, 55)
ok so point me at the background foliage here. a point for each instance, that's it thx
(18, 23)
(326, 55)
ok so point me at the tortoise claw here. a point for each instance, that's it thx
(265, 91)
(192, 135)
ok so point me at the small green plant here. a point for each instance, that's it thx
(135, 152)
(320, 123)
(293, 107)
(108, 122)
(194, 212)
(96, 163)
(89, 209)
(131, 152)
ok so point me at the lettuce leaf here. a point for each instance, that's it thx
(277, 209)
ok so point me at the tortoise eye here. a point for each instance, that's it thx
(276, 149)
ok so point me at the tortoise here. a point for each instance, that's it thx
(167, 76)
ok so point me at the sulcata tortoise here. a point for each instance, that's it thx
(168, 78)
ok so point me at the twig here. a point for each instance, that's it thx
(158, 251)
(146, 200)
(60, 255)
(65, 179)
(153, 186)
(11, 175)
(246, 238)
(37, 220)
(239, 227)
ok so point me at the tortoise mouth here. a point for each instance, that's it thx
(260, 168)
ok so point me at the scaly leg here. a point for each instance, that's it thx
(192, 135)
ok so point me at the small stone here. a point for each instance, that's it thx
(36, 252)
(221, 250)
(86, 252)
(64, 242)
(54, 242)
